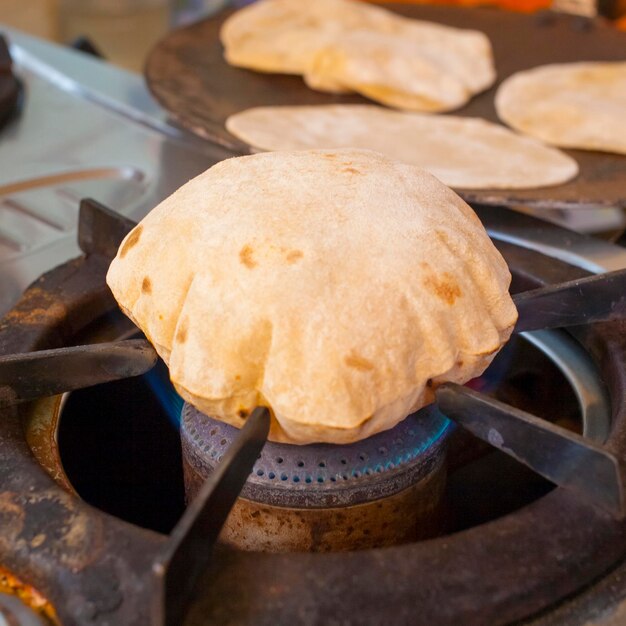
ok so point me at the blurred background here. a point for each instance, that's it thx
(123, 31)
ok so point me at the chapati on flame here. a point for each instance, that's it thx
(338, 288)
(462, 152)
(572, 105)
(344, 45)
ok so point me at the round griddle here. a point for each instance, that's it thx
(188, 75)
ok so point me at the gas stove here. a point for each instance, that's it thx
(422, 520)
(112, 497)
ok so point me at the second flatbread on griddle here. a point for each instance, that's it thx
(462, 152)
(573, 105)
(429, 68)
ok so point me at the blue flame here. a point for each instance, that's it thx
(158, 380)
(444, 425)
(441, 427)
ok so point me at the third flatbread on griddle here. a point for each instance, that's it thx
(343, 45)
(573, 105)
(462, 152)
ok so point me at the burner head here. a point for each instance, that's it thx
(383, 490)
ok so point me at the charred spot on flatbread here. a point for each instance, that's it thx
(246, 256)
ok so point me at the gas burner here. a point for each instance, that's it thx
(384, 490)
(94, 568)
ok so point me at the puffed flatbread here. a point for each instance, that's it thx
(572, 105)
(338, 288)
(462, 152)
(343, 45)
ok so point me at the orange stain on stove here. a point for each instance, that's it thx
(443, 286)
(246, 257)
(131, 241)
(37, 306)
(30, 596)
(358, 362)
(146, 286)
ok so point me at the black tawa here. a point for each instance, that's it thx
(187, 74)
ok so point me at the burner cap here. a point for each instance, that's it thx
(323, 475)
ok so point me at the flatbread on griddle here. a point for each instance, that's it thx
(282, 35)
(426, 69)
(338, 288)
(462, 152)
(343, 45)
(572, 105)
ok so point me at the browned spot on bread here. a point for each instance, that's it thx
(181, 333)
(237, 377)
(443, 286)
(293, 255)
(131, 240)
(330, 155)
(246, 257)
(146, 285)
(351, 170)
(459, 363)
(358, 362)
(243, 413)
(443, 237)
